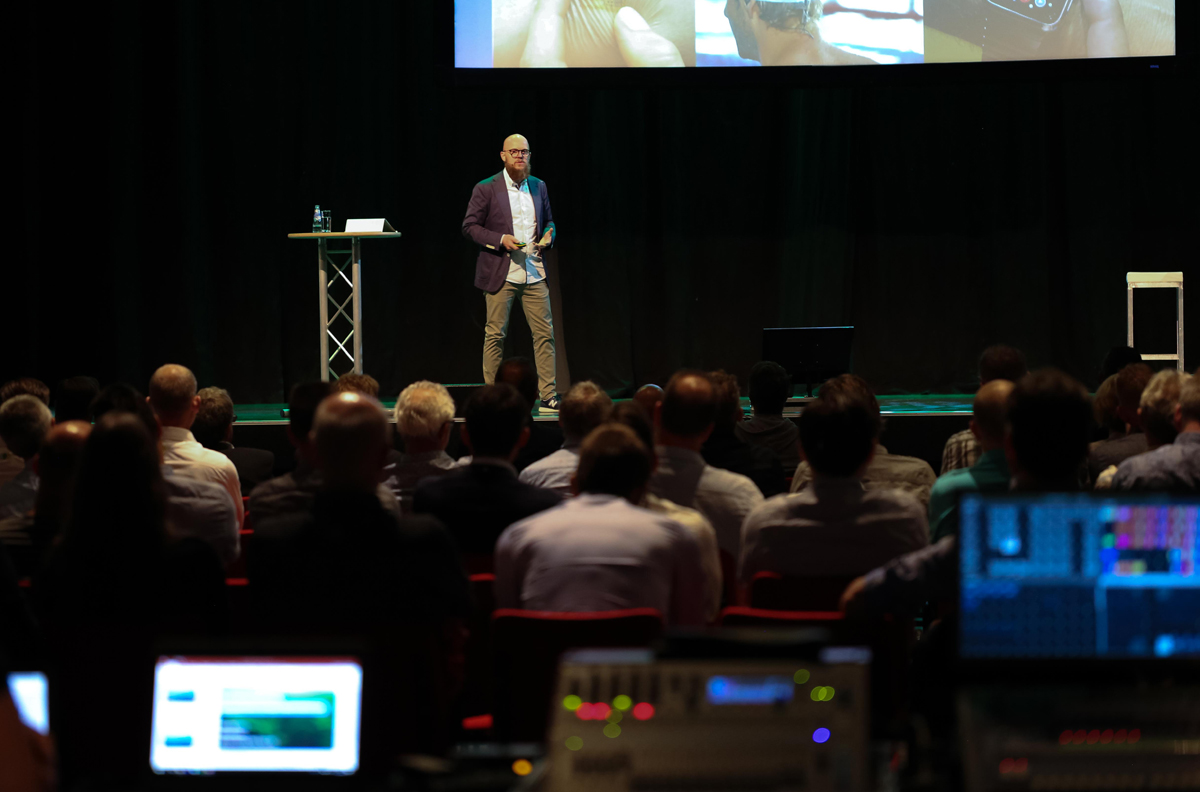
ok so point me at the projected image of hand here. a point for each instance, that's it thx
(594, 33)
(1106, 36)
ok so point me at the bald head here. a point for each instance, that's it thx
(515, 155)
(173, 395)
(688, 408)
(990, 410)
(351, 435)
(61, 451)
(648, 396)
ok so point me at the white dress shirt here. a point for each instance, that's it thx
(202, 509)
(833, 527)
(599, 553)
(188, 458)
(706, 537)
(554, 472)
(521, 267)
(724, 497)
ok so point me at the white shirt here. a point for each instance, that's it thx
(833, 527)
(554, 472)
(599, 553)
(523, 268)
(724, 497)
(188, 458)
(201, 509)
(710, 556)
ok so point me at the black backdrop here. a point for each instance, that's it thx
(167, 149)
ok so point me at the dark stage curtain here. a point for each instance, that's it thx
(166, 149)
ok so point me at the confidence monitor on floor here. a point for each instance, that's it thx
(810, 355)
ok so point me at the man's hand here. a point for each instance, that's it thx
(510, 242)
(641, 46)
(547, 43)
(1106, 36)
(546, 239)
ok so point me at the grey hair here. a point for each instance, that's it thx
(24, 422)
(422, 409)
(1158, 404)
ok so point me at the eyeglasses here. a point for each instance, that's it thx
(518, 152)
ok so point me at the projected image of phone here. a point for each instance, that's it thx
(1047, 13)
(277, 715)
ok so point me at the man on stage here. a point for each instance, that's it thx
(509, 218)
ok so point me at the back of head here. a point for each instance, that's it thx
(856, 388)
(585, 407)
(631, 414)
(350, 432)
(215, 417)
(689, 404)
(74, 397)
(1001, 362)
(302, 407)
(520, 373)
(1131, 381)
(648, 396)
(25, 386)
(119, 498)
(1104, 406)
(1158, 403)
(120, 397)
(172, 388)
(1189, 400)
(1117, 359)
(357, 383)
(770, 388)
(838, 430)
(729, 398)
(58, 462)
(495, 415)
(422, 409)
(613, 461)
(24, 422)
(1049, 424)
(990, 411)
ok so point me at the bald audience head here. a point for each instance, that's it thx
(613, 461)
(173, 396)
(24, 422)
(350, 432)
(685, 416)
(990, 414)
(424, 412)
(649, 397)
(583, 408)
(57, 463)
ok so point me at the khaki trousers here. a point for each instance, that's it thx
(535, 301)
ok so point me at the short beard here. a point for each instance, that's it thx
(517, 175)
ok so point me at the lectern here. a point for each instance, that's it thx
(332, 265)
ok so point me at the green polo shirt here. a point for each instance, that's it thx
(988, 474)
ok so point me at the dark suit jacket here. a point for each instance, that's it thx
(489, 217)
(254, 465)
(478, 502)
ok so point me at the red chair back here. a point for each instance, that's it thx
(527, 646)
(758, 617)
(773, 591)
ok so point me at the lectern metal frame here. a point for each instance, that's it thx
(1157, 280)
(330, 272)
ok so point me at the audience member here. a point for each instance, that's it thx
(24, 422)
(990, 471)
(583, 408)
(175, 403)
(478, 501)
(683, 420)
(600, 551)
(998, 362)
(1118, 358)
(29, 536)
(294, 492)
(885, 471)
(648, 397)
(424, 415)
(196, 508)
(118, 580)
(632, 415)
(770, 388)
(1104, 411)
(1173, 467)
(726, 450)
(213, 429)
(11, 465)
(1156, 416)
(357, 383)
(545, 437)
(1131, 381)
(73, 398)
(835, 526)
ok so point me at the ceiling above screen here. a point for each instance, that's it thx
(722, 34)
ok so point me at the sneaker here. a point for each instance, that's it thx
(548, 405)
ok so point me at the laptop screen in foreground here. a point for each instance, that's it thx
(248, 714)
(1079, 575)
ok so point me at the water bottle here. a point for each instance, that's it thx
(317, 219)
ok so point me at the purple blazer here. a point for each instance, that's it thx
(489, 217)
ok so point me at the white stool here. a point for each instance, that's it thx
(1158, 280)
